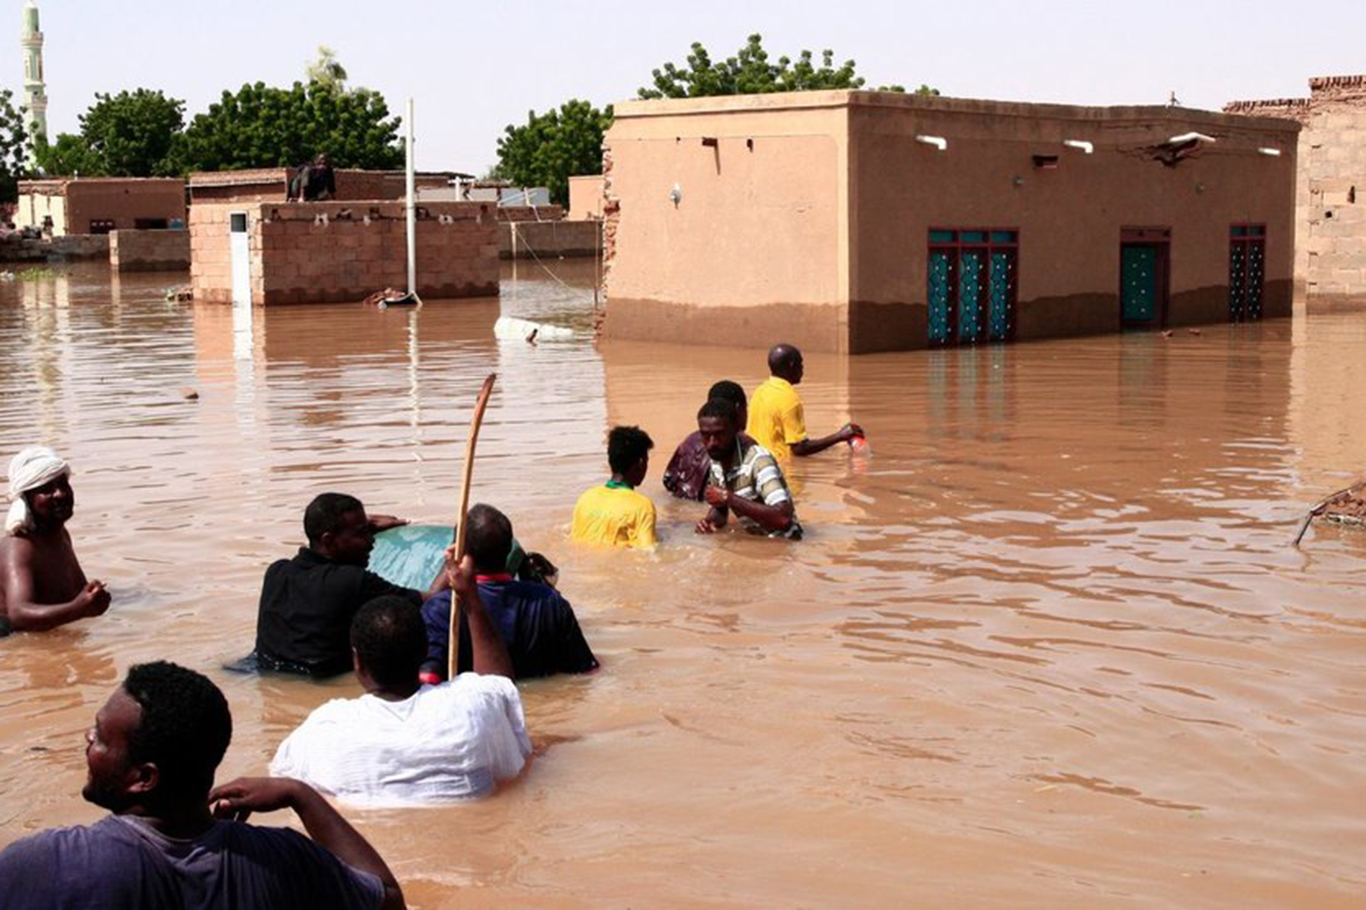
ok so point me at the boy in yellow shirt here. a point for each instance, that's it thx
(777, 420)
(614, 514)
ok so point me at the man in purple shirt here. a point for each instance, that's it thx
(173, 840)
(686, 475)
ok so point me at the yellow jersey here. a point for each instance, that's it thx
(776, 417)
(616, 516)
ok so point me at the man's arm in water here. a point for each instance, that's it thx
(239, 798)
(775, 518)
(812, 446)
(17, 582)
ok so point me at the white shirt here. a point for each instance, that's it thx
(447, 742)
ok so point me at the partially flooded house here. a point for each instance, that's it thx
(857, 221)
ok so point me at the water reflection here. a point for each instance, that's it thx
(1048, 640)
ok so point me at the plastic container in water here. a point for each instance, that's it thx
(859, 446)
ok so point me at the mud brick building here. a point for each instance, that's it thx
(1330, 218)
(98, 205)
(271, 184)
(855, 221)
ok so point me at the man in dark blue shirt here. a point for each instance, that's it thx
(537, 624)
(172, 839)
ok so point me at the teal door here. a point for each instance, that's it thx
(941, 293)
(1138, 282)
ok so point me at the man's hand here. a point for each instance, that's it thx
(94, 598)
(850, 431)
(716, 497)
(706, 527)
(460, 576)
(385, 522)
(236, 800)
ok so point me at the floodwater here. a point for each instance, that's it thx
(1048, 646)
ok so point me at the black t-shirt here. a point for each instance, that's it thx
(122, 863)
(307, 604)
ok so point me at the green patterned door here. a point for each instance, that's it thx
(941, 292)
(1138, 282)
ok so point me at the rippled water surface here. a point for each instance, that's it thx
(1047, 647)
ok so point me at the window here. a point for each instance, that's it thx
(1246, 271)
(101, 225)
(972, 285)
(149, 224)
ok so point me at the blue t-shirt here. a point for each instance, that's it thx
(123, 862)
(536, 624)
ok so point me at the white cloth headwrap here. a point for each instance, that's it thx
(29, 470)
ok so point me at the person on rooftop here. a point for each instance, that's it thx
(313, 182)
(745, 479)
(405, 742)
(777, 419)
(42, 584)
(614, 514)
(536, 623)
(173, 839)
(307, 603)
(686, 475)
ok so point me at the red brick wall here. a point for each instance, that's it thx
(271, 184)
(343, 251)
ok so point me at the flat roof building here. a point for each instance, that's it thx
(98, 205)
(855, 221)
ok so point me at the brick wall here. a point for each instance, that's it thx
(271, 184)
(1330, 202)
(542, 239)
(528, 212)
(339, 251)
(149, 251)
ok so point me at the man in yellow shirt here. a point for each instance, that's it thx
(614, 514)
(776, 418)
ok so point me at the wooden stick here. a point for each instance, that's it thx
(453, 657)
(1317, 511)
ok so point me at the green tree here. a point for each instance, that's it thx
(13, 147)
(263, 126)
(130, 134)
(327, 70)
(551, 147)
(752, 72)
(69, 156)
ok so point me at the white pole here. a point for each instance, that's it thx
(411, 208)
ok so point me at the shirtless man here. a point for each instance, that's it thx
(41, 582)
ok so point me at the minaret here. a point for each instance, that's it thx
(35, 96)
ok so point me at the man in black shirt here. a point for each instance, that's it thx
(313, 182)
(308, 602)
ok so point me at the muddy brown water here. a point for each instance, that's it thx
(1047, 647)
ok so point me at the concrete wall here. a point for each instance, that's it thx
(585, 197)
(149, 251)
(338, 251)
(271, 184)
(805, 217)
(68, 248)
(549, 239)
(1330, 255)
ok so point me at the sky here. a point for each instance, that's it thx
(473, 68)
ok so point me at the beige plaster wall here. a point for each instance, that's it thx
(585, 197)
(1069, 217)
(805, 216)
(752, 251)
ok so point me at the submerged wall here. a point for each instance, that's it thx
(338, 251)
(807, 217)
(149, 251)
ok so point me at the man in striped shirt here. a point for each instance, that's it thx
(745, 478)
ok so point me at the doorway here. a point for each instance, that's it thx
(1144, 277)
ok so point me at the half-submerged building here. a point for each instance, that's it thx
(865, 221)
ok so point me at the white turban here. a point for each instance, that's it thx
(29, 470)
